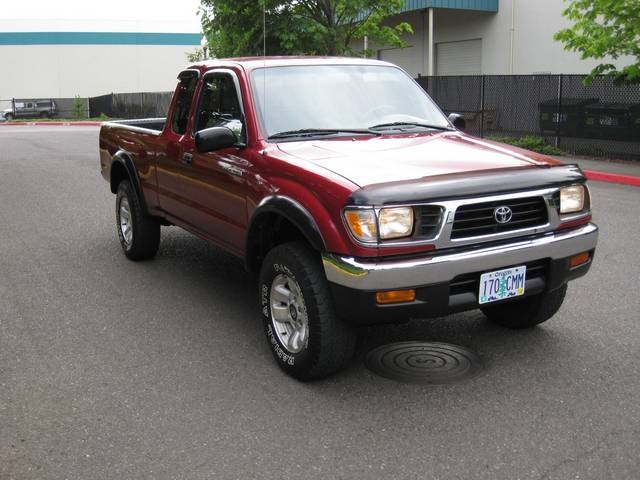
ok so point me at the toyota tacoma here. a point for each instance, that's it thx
(353, 196)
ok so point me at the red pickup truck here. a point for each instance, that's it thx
(354, 197)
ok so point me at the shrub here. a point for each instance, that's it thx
(528, 142)
(79, 110)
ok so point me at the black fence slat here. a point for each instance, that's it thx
(131, 105)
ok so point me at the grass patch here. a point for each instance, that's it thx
(528, 142)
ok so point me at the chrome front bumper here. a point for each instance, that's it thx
(438, 268)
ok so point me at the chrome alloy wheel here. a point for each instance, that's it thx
(126, 224)
(289, 313)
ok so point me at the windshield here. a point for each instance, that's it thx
(341, 98)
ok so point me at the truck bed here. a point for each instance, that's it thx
(154, 124)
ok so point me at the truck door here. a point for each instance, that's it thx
(24, 109)
(174, 161)
(218, 180)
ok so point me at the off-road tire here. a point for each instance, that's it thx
(527, 312)
(331, 342)
(145, 229)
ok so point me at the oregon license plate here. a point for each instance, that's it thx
(502, 284)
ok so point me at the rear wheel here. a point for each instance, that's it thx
(527, 312)
(8, 117)
(307, 338)
(139, 233)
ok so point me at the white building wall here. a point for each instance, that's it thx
(88, 70)
(534, 49)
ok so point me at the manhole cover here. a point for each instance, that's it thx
(423, 362)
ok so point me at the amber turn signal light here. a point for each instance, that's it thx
(579, 259)
(395, 296)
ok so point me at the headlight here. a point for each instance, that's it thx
(572, 199)
(362, 223)
(395, 222)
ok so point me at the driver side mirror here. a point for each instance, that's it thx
(215, 138)
(458, 121)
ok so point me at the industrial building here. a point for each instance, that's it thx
(94, 48)
(490, 37)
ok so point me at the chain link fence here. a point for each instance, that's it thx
(602, 119)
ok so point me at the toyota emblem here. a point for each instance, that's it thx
(502, 214)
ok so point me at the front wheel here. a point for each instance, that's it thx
(8, 117)
(307, 338)
(527, 312)
(139, 233)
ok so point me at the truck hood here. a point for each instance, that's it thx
(368, 161)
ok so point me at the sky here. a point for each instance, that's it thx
(100, 15)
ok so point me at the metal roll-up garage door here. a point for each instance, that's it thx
(459, 58)
(406, 58)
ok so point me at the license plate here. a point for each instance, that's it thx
(502, 284)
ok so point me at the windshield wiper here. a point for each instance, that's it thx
(394, 125)
(312, 132)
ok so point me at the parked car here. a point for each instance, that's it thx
(353, 196)
(31, 109)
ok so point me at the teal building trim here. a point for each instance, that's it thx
(99, 38)
(477, 5)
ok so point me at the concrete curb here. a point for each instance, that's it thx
(79, 123)
(612, 178)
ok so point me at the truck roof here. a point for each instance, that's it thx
(251, 63)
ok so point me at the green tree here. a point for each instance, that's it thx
(79, 108)
(197, 55)
(605, 28)
(315, 27)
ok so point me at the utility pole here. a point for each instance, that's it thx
(430, 71)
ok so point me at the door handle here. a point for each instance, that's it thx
(187, 158)
(232, 169)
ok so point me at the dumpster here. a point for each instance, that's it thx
(613, 121)
(569, 122)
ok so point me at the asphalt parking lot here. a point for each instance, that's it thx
(115, 370)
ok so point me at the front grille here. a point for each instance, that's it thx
(477, 219)
(430, 219)
(470, 282)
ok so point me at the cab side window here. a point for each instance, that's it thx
(185, 90)
(219, 105)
